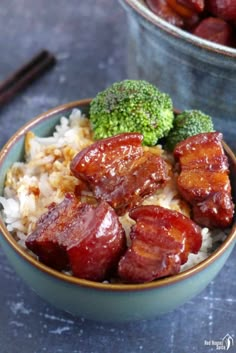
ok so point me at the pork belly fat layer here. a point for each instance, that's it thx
(204, 179)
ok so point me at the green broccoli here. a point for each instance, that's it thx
(132, 106)
(188, 123)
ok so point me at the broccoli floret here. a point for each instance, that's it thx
(132, 106)
(188, 123)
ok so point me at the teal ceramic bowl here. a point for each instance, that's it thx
(100, 301)
(196, 73)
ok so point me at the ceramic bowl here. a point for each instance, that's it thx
(195, 72)
(100, 301)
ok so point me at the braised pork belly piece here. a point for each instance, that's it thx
(161, 241)
(86, 239)
(204, 179)
(46, 241)
(119, 171)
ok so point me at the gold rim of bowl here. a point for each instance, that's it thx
(86, 283)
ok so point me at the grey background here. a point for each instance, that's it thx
(88, 38)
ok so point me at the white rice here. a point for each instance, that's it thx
(45, 177)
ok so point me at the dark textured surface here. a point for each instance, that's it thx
(88, 37)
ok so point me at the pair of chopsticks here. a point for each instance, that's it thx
(25, 75)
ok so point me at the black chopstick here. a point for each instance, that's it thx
(25, 75)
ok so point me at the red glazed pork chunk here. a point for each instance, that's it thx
(87, 239)
(214, 20)
(161, 241)
(204, 179)
(119, 171)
